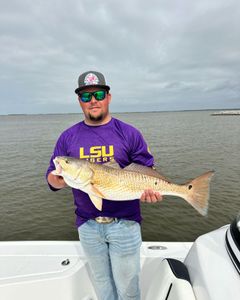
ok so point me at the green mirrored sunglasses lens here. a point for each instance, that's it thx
(86, 97)
(99, 95)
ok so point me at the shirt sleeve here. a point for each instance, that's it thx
(140, 152)
(59, 150)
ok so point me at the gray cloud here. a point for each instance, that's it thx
(156, 55)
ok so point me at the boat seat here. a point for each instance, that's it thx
(171, 282)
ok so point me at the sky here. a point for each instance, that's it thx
(156, 55)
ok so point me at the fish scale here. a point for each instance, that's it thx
(125, 185)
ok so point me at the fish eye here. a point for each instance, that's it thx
(66, 161)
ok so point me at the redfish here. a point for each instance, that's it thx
(108, 181)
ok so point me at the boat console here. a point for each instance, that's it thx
(213, 264)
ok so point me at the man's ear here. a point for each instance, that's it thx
(109, 97)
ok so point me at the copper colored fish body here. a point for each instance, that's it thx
(109, 181)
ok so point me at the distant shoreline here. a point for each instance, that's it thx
(217, 112)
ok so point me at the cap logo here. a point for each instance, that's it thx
(91, 79)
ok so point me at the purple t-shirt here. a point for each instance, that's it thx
(99, 144)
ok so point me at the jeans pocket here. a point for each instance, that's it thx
(86, 229)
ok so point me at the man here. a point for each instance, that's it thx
(111, 238)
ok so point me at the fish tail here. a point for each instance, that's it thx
(198, 192)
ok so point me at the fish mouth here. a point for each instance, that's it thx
(58, 168)
(55, 161)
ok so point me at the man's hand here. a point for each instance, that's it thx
(151, 197)
(56, 181)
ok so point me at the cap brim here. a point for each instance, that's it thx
(106, 87)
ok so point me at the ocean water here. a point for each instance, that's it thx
(184, 144)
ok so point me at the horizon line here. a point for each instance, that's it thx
(121, 112)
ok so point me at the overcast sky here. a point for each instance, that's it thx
(156, 55)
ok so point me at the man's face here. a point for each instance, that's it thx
(95, 111)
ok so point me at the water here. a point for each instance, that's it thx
(184, 144)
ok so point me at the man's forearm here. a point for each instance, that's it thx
(56, 181)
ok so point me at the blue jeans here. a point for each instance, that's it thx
(113, 253)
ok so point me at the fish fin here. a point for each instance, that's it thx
(198, 192)
(95, 191)
(133, 167)
(97, 201)
(96, 196)
(112, 164)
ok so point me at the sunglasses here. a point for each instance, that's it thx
(87, 96)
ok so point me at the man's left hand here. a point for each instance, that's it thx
(151, 197)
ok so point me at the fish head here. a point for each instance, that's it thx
(72, 168)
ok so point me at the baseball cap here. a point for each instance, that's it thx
(91, 79)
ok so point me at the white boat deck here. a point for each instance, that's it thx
(59, 270)
(56, 269)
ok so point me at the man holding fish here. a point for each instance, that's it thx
(108, 166)
(111, 238)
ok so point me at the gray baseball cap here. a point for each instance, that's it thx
(91, 79)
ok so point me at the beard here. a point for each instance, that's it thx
(96, 118)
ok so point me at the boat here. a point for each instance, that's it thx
(207, 269)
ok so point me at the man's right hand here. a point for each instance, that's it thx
(56, 181)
